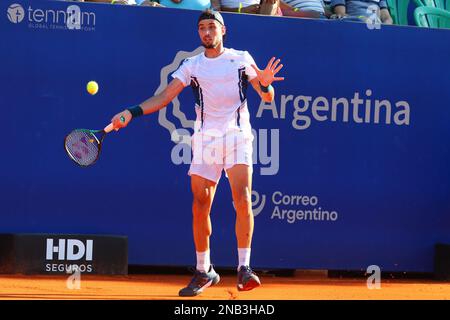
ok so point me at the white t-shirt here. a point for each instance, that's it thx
(220, 90)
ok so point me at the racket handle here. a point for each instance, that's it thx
(109, 128)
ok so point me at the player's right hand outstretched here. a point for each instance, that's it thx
(121, 119)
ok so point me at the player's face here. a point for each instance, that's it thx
(211, 33)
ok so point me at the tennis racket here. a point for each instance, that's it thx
(83, 146)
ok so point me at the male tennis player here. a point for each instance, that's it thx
(222, 139)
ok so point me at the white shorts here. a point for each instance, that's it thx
(211, 154)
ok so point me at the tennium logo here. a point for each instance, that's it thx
(15, 13)
(72, 18)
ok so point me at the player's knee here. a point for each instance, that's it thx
(243, 202)
(202, 198)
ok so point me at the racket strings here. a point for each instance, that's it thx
(82, 147)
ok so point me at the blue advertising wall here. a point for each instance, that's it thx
(338, 183)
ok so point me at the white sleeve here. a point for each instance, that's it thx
(248, 60)
(183, 73)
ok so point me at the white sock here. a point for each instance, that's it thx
(244, 257)
(203, 261)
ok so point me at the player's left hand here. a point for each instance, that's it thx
(267, 76)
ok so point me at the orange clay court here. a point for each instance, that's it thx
(165, 287)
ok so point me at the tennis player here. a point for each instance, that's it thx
(222, 139)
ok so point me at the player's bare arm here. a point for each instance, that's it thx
(151, 105)
(264, 78)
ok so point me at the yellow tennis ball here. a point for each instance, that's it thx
(92, 87)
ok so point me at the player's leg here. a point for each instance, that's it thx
(204, 178)
(203, 191)
(240, 178)
(205, 172)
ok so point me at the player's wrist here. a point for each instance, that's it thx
(266, 88)
(136, 111)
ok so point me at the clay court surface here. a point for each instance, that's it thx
(164, 287)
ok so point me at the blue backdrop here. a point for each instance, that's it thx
(380, 189)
